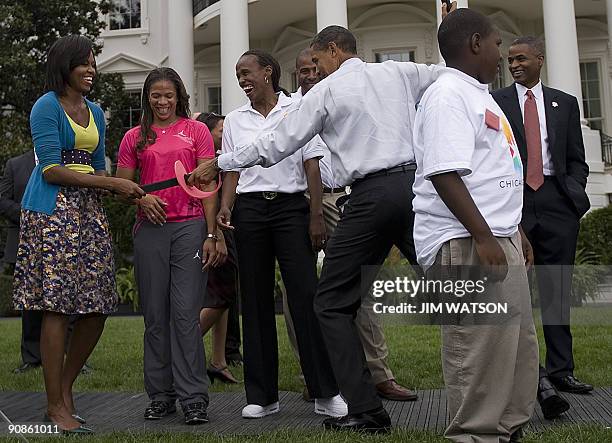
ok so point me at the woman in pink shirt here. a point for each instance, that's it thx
(175, 242)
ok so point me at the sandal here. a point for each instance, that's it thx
(223, 374)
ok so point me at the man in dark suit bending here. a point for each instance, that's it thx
(546, 124)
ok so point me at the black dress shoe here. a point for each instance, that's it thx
(25, 367)
(569, 383)
(517, 436)
(233, 358)
(159, 409)
(376, 421)
(552, 404)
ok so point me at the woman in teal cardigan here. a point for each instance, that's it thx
(64, 261)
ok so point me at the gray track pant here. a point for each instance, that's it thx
(171, 285)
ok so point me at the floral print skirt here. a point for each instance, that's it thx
(65, 260)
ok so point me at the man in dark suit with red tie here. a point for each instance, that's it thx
(546, 124)
(12, 186)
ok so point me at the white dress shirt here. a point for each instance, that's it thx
(538, 94)
(325, 166)
(364, 112)
(242, 126)
(459, 127)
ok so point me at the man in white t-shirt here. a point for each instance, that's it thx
(468, 201)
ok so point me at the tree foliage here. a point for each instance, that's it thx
(28, 28)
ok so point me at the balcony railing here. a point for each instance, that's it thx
(606, 149)
(200, 5)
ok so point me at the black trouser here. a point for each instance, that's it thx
(551, 225)
(232, 339)
(377, 216)
(31, 324)
(265, 230)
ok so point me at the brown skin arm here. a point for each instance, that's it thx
(457, 198)
(60, 175)
(228, 195)
(151, 205)
(205, 172)
(527, 249)
(318, 236)
(210, 255)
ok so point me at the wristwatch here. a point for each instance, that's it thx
(213, 236)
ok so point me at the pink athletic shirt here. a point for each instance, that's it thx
(185, 140)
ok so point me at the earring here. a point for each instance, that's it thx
(266, 79)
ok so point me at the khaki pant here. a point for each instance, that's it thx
(368, 323)
(490, 371)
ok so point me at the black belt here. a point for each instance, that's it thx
(409, 167)
(327, 190)
(76, 157)
(270, 195)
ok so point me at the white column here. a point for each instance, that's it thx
(180, 44)
(609, 13)
(562, 60)
(234, 42)
(460, 4)
(331, 12)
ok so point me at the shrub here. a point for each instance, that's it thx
(121, 218)
(6, 296)
(595, 235)
(127, 290)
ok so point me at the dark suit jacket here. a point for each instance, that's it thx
(564, 139)
(12, 186)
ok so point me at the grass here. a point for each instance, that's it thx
(414, 359)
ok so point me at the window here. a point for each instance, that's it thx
(130, 116)
(125, 14)
(214, 99)
(591, 94)
(398, 55)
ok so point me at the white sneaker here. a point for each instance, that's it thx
(334, 406)
(258, 411)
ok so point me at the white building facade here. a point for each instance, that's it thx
(203, 39)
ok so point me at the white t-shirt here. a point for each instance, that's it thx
(242, 126)
(459, 127)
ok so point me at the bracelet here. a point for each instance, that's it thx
(213, 236)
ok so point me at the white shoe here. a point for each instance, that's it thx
(334, 406)
(258, 411)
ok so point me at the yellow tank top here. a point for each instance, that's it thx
(85, 139)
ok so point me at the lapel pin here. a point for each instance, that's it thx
(555, 104)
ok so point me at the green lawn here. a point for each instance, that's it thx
(414, 358)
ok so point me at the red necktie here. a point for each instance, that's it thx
(535, 172)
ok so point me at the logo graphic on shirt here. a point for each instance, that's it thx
(514, 152)
(197, 255)
(184, 137)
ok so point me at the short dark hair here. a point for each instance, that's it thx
(303, 53)
(342, 37)
(265, 59)
(535, 43)
(64, 55)
(458, 28)
(210, 119)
